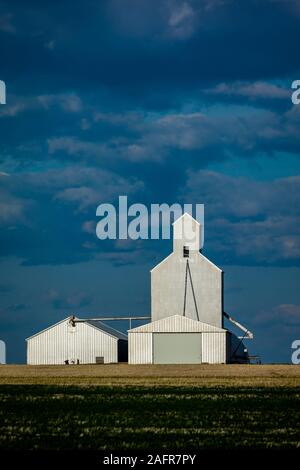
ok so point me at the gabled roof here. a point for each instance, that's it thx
(177, 324)
(48, 327)
(93, 323)
(210, 262)
(185, 215)
(198, 253)
(107, 329)
(162, 261)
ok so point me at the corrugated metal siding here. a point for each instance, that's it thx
(140, 348)
(228, 347)
(214, 348)
(61, 342)
(174, 324)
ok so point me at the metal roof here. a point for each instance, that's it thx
(48, 328)
(96, 324)
(107, 329)
(177, 323)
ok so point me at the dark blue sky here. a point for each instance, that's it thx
(165, 101)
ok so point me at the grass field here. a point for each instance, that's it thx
(149, 407)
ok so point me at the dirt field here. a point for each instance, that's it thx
(201, 375)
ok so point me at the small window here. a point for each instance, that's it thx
(186, 252)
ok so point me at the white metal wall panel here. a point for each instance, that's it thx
(214, 348)
(140, 348)
(62, 341)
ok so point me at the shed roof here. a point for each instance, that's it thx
(176, 323)
(107, 329)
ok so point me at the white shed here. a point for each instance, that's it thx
(84, 343)
(178, 340)
(2, 352)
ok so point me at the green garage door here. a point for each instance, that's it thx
(177, 348)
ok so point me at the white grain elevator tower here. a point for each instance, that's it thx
(187, 311)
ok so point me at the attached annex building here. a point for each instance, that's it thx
(88, 342)
(177, 340)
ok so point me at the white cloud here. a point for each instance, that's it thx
(83, 187)
(69, 102)
(291, 311)
(161, 20)
(75, 147)
(83, 196)
(6, 24)
(284, 315)
(182, 21)
(258, 220)
(12, 208)
(11, 211)
(254, 90)
(67, 300)
(85, 124)
(156, 135)
(50, 45)
(89, 226)
(12, 110)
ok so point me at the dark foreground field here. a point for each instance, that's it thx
(208, 408)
